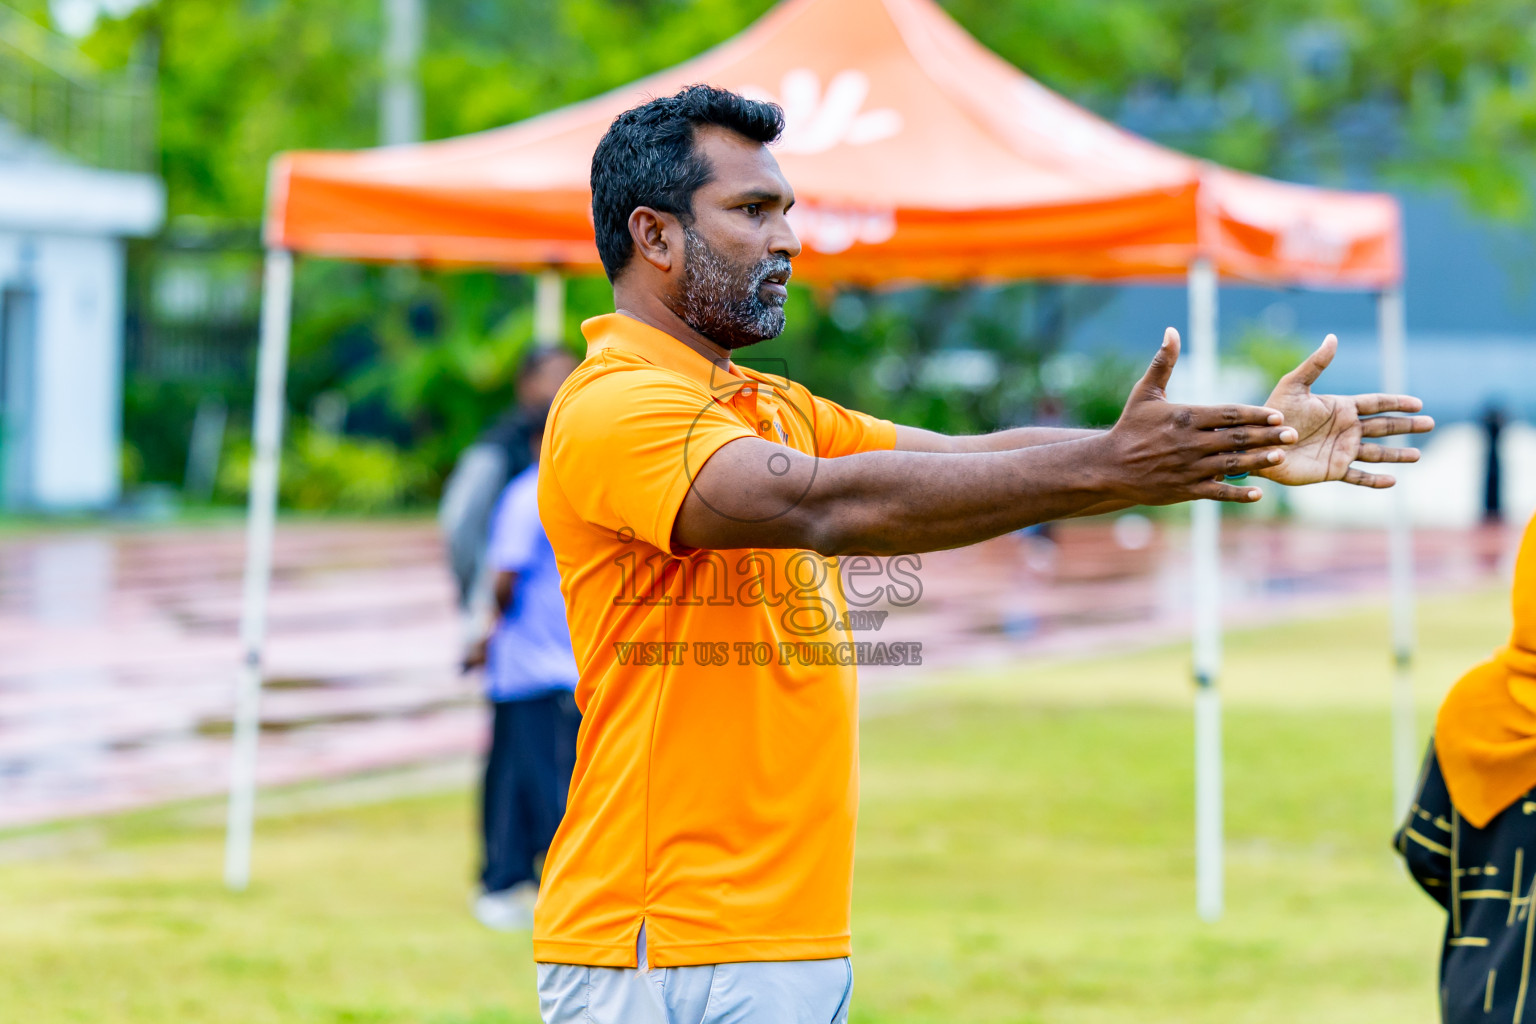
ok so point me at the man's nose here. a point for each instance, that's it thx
(784, 241)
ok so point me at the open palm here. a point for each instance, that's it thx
(1332, 429)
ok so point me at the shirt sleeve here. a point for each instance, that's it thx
(841, 431)
(626, 446)
(516, 530)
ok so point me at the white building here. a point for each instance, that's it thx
(63, 226)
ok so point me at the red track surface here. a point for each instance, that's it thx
(118, 650)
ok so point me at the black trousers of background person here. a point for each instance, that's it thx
(527, 776)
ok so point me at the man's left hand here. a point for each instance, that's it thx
(1333, 428)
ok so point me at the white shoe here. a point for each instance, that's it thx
(510, 910)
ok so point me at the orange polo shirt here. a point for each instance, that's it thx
(716, 781)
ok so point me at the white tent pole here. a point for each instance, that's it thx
(271, 371)
(548, 308)
(400, 101)
(1405, 743)
(1205, 544)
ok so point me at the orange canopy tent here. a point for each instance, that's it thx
(916, 155)
(915, 152)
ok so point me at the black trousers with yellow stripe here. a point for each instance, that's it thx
(1483, 877)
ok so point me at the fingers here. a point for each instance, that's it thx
(1218, 491)
(1154, 383)
(1313, 366)
(1382, 453)
(1370, 405)
(1387, 426)
(1238, 463)
(1212, 417)
(1360, 478)
(1243, 438)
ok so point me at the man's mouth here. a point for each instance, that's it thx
(775, 283)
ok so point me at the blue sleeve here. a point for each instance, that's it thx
(516, 532)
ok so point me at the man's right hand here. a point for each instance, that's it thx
(1163, 453)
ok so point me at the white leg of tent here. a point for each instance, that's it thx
(271, 373)
(400, 101)
(1205, 542)
(1405, 742)
(548, 308)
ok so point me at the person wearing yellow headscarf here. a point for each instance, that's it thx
(1470, 837)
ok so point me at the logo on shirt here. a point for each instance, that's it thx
(730, 391)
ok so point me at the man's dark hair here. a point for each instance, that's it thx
(648, 158)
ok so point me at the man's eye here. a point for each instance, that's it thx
(753, 209)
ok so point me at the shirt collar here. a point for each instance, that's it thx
(657, 347)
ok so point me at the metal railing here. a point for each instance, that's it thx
(194, 298)
(50, 95)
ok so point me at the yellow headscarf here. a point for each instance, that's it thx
(1485, 736)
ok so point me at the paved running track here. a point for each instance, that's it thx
(118, 647)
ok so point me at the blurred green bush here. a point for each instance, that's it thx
(325, 472)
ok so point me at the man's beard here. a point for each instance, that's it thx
(724, 302)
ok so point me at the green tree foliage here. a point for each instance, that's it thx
(424, 360)
(959, 360)
(1323, 90)
(328, 473)
(242, 79)
(1421, 90)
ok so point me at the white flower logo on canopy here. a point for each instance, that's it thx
(1305, 240)
(816, 120)
(831, 229)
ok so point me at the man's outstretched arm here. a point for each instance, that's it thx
(917, 439)
(753, 493)
(1332, 430)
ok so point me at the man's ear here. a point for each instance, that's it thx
(658, 237)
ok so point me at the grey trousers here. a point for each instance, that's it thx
(760, 992)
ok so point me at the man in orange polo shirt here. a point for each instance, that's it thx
(698, 509)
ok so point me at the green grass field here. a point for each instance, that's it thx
(1024, 855)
